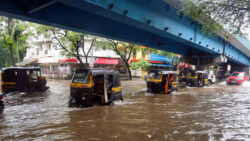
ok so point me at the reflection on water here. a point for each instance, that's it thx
(219, 112)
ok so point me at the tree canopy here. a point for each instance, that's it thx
(13, 38)
(143, 64)
(71, 42)
(214, 15)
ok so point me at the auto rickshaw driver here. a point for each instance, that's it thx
(100, 87)
(161, 81)
(31, 81)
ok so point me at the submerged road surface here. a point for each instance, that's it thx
(218, 112)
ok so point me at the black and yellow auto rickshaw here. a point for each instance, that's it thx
(1, 102)
(22, 79)
(183, 75)
(161, 81)
(197, 78)
(95, 86)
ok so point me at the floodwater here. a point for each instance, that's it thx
(218, 112)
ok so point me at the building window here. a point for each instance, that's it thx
(55, 47)
(134, 52)
(46, 51)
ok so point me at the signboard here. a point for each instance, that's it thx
(110, 61)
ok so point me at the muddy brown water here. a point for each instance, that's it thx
(219, 112)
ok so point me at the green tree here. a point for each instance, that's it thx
(143, 64)
(14, 36)
(71, 42)
(233, 15)
(123, 49)
(4, 56)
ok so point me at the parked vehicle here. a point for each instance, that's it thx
(238, 78)
(1, 102)
(27, 79)
(161, 81)
(182, 78)
(90, 86)
(197, 78)
(211, 77)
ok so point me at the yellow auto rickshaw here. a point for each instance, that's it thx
(95, 86)
(197, 78)
(161, 81)
(22, 79)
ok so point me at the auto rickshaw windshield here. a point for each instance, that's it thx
(34, 74)
(191, 73)
(154, 75)
(81, 77)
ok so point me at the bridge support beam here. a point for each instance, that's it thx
(205, 60)
(240, 68)
(152, 23)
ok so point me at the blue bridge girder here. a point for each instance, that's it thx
(152, 23)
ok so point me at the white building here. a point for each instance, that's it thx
(49, 56)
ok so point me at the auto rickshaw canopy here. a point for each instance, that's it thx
(100, 71)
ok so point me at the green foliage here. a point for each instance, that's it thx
(164, 53)
(123, 49)
(143, 64)
(214, 16)
(14, 34)
(4, 56)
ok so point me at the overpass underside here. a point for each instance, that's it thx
(155, 24)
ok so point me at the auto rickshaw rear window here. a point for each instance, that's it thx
(154, 75)
(191, 74)
(81, 77)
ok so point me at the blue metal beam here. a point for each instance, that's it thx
(41, 6)
(150, 23)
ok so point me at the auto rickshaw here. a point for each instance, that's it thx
(95, 86)
(197, 78)
(22, 79)
(1, 102)
(161, 81)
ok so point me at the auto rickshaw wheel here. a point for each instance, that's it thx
(200, 84)
(196, 84)
(148, 90)
(119, 99)
(72, 102)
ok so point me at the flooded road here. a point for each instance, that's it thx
(218, 112)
